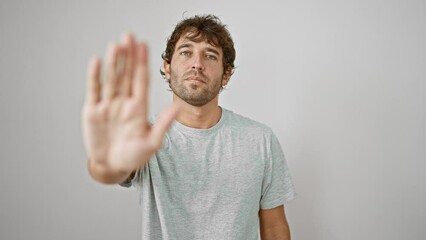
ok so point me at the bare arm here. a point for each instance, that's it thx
(117, 135)
(273, 224)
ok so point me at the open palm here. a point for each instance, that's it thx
(116, 130)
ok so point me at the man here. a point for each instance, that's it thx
(203, 171)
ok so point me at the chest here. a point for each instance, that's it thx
(225, 164)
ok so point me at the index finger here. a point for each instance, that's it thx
(141, 76)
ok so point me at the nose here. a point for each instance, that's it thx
(198, 63)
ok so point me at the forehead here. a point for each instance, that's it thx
(193, 40)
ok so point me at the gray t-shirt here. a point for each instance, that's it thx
(211, 183)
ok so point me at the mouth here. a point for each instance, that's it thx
(195, 79)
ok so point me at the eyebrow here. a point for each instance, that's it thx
(185, 45)
(190, 45)
(213, 51)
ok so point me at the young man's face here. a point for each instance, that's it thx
(196, 71)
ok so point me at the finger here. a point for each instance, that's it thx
(93, 91)
(162, 125)
(140, 78)
(112, 71)
(129, 64)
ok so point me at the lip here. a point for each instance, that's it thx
(194, 78)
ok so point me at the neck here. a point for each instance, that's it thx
(202, 117)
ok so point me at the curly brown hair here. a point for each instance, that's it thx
(203, 28)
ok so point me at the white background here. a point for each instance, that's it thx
(342, 84)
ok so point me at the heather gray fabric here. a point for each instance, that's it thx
(211, 183)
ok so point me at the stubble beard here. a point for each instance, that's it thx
(194, 94)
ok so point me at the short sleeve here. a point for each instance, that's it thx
(277, 185)
(131, 180)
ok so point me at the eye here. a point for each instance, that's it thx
(211, 57)
(185, 53)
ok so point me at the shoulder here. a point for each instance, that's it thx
(246, 124)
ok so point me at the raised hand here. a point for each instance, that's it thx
(117, 135)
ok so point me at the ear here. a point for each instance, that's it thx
(166, 67)
(226, 77)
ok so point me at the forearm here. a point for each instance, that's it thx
(103, 173)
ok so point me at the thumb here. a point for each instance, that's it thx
(162, 125)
